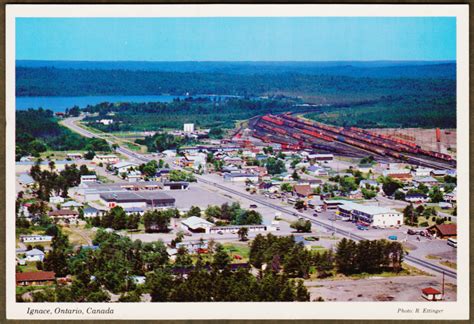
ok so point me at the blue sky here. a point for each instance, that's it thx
(237, 39)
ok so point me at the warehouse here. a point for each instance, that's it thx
(137, 199)
(370, 215)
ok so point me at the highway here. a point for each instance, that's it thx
(70, 123)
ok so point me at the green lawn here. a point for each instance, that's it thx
(28, 267)
(241, 249)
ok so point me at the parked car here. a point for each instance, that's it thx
(315, 214)
(220, 233)
(188, 234)
(253, 206)
(362, 228)
(393, 237)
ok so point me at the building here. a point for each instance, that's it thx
(106, 159)
(369, 184)
(177, 185)
(417, 198)
(35, 238)
(74, 156)
(91, 212)
(188, 128)
(443, 231)
(143, 200)
(39, 278)
(331, 204)
(134, 210)
(240, 177)
(233, 160)
(56, 200)
(106, 121)
(431, 294)
(71, 204)
(192, 246)
(235, 228)
(370, 215)
(321, 157)
(64, 214)
(124, 166)
(26, 180)
(196, 225)
(423, 172)
(427, 181)
(88, 178)
(303, 191)
(34, 255)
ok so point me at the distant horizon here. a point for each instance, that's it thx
(244, 61)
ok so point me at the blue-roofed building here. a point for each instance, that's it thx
(25, 179)
(134, 210)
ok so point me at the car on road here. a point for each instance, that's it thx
(362, 228)
(253, 206)
(188, 234)
(220, 233)
(315, 214)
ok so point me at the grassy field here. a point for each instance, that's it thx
(20, 290)
(240, 249)
(28, 267)
(79, 234)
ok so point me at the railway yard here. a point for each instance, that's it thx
(297, 133)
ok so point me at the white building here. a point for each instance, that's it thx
(370, 215)
(240, 177)
(35, 238)
(106, 121)
(107, 159)
(423, 172)
(124, 166)
(88, 178)
(196, 224)
(56, 200)
(188, 128)
(34, 255)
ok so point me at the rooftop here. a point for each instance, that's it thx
(366, 209)
(35, 276)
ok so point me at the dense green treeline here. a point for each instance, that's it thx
(323, 88)
(411, 111)
(38, 131)
(204, 113)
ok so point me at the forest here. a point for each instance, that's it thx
(203, 112)
(38, 131)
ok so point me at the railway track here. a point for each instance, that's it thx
(350, 235)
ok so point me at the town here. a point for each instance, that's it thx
(308, 207)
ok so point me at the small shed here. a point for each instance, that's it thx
(431, 294)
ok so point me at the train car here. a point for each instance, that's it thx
(273, 120)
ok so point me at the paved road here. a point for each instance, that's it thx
(323, 224)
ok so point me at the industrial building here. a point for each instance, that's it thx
(143, 200)
(370, 215)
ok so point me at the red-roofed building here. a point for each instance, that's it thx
(431, 294)
(40, 278)
(303, 191)
(443, 231)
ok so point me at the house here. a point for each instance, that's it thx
(56, 200)
(106, 159)
(417, 198)
(431, 294)
(403, 175)
(233, 160)
(313, 183)
(106, 121)
(88, 178)
(438, 173)
(317, 170)
(64, 214)
(331, 204)
(423, 172)
(443, 231)
(124, 166)
(355, 194)
(39, 278)
(71, 204)
(34, 255)
(427, 181)
(196, 225)
(169, 153)
(134, 176)
(192, 246)
(91, 212)
(26, 180)
(240, 177)
(303, 191)
(451, 197)
(445, 205)
(370, 215)
(35, 238)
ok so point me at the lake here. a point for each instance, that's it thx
(60, 104)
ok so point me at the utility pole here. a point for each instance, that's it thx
(442, 289)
